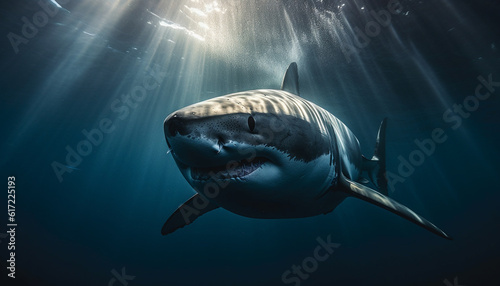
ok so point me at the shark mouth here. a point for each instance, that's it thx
(238, 169)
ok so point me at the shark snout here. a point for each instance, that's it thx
(175, 125)
(187, 138)
(216, 131)
(199, 140)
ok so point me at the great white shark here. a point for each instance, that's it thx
(272, 154)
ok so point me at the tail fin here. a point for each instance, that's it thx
(375, 167)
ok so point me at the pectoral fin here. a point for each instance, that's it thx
(187, 213)
(376, 198)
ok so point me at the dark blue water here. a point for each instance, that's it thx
(115, 69)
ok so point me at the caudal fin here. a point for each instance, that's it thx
(375, 167)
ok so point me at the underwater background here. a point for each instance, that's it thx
(118, 67)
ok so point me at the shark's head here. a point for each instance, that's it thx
(262, 149)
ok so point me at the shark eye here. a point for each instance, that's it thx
(251, 123)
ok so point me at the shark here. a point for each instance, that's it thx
(272, 154)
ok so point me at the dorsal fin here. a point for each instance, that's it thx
(291, 79)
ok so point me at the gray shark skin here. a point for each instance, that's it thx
(272, 154)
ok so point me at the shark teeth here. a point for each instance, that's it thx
(229, 171)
